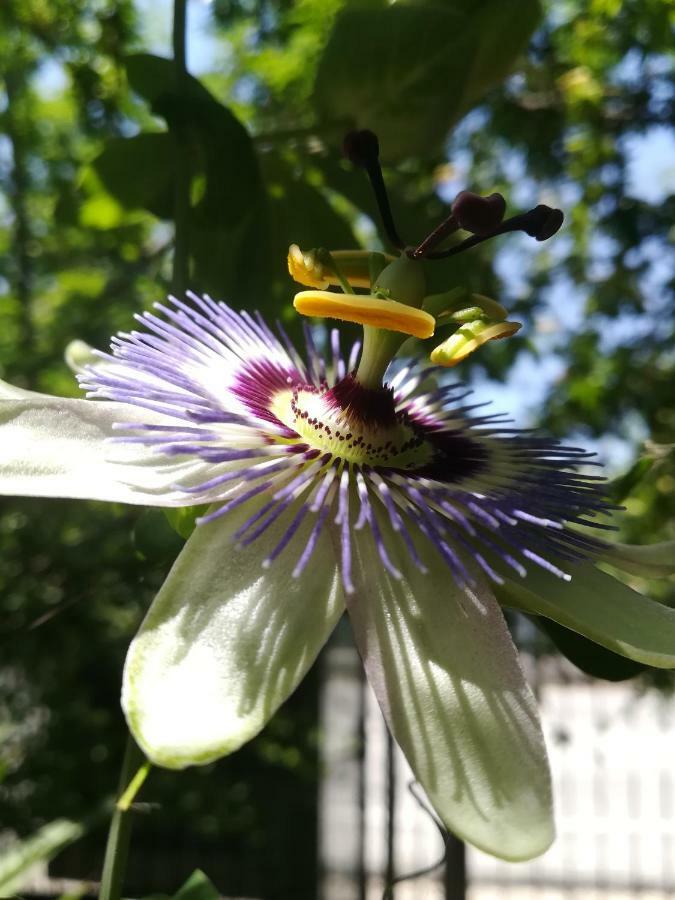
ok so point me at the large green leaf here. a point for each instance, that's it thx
(221, 145)
(409, 70)
(139, 172)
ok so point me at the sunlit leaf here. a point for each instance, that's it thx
(409, 70)
(221, 147)
(139, 171)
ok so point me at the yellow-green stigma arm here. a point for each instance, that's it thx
(308, 268)
(366, 310)
(470, 337)
(445, 306)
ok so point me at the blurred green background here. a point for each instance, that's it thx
(570, 103)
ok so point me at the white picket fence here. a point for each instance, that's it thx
(613, 760)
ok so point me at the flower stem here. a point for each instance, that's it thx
(181, 255)
(117, 848)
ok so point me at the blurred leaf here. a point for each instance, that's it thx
(76, 893)
(221, 147)
(622, 487)
(43, 845)
(138, 171)
(591, 658)
(197, 887)
(154, 540)
(409, 70)
(300, 212)
(183, 519)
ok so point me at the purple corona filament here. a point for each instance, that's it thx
(287, 440)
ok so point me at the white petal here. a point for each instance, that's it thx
(58, 447)
(445, 671)
(225, 642)
(11, 392)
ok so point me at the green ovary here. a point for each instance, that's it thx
(347, 436)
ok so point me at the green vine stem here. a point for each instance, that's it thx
(181, 258)
(119, 835)
(134, 767)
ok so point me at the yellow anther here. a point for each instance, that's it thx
(469, 338)
(305, 267)
(366, 310)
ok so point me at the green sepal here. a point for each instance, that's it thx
(183, 519)
(648, 560)
(588, 656)
(154, 540)
(596, 605)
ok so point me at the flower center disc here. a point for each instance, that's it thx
(353, 423)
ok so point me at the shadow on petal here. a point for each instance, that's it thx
(445, 671)
(226, 641)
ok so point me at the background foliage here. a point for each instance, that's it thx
(547, 104)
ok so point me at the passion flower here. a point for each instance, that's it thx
(344, 480)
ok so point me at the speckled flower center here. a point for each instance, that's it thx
(356, 425)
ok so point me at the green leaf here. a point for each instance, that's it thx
(43, 845)
(183, 519)
(138, 172)
(588, 656)
(154, 538)
(221, 146)
(197, 887)
(300, 212)
(409, 70)
(622, 487)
